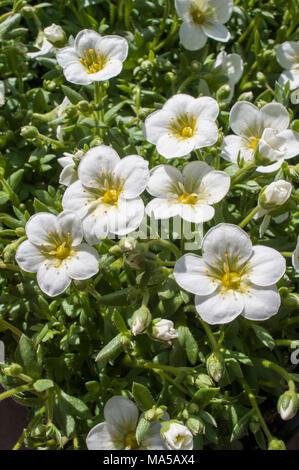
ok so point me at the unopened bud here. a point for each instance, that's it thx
(55, 35)
(289, 299)
(215, 367)
(163, 330)
(141, 320)
(196, 425)
(276, 194)
(276, 444)
(288, 405)
(29, 132)
(223, 92)
(13, 370)
(204, 381)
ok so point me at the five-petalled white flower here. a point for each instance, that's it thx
(106, 195)
(182, 125)
(54, 250)
(261, 135)
(118, 432)
(189, 195)
(232, 277)
(177, 436)
(93, 58)
(203, 19)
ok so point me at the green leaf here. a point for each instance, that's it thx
(111, 351)
(4, 197)
(240, 428)
(72, 95)
(26, 357)
(142, 396)
(203, 396)
(264, 336)
(76, 406)
(207, 417)
(141, 430)
(187, 340)
(15, 178)
(43, 384)
(119, 322)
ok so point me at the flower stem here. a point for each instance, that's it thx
(256, 408)
(212, 340)
(286, 254)
(239, 173)
(167, 244)
(279, 370)
(30, 426)
(13, 391)
(249, 217)
(10, 327)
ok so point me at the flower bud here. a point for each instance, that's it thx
(223, 92)
(177, 436)
(20, 231)
(276, 194)
(196, 425)
(55, 35)
(164, 330)
(288, 405)
(128, 244)
(27, 12)
(204, 381)
(155, 413)
(13, 370)
(215, 367)
(276, 444)
(289, 299)
(84, 106)
(141, 320)
(29, 132)
(246, 96)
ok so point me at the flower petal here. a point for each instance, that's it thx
(127, 216)
(275, 116)
(76, 73)
(206, 133)
(170, 146)
(193, 174)
(192, 36)
(233, 145)
(287, 54)
(99, 438)
(204, 108)
(84, 264)
(111, 69)
(222, 10)
(163, 181)
(69, 226)
(178, 104)
(77, 199)
(226, 238)
(67, 56)
(267, 266)
(39, 226)
(134, 171)
(153, 439)
(156, 125)
(190, 273)
(219, 308)
(216, 185)
(291, 76)
(85, 40)
(114, 47)
(52, 281)
(183, 8)
(290, 147)
(96, 162)
(29, 257)
(246, 120)
(295, 257)
(162, 208)
(197, 213)
(270, 168)
(68, 175)
(216, 31)
(261, 303)
(121, 413)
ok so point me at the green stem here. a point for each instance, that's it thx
(162, 25)
(10, 327)
(241, 171)
(286, 254)
(199, 155)
(256, 408)
(212, 339)
(13, 391)
(29, 428)
(187, 81)
(249, 217)
(279, 370)
(167, 244)
(285, 342)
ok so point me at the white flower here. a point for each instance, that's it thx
(2, 93)
(164, 330)
(276, 194)
(190, 194)
(119, 429)
(203, 19)
(55, 34)
(54, 251)
(106, 196)
(295, 257)
(178, 436)
(262, 134)
(43, 45)
(69, 164)
(287, 55)
(232, 277)
(182, 125)
(93, 58)
(232, 66)
(60, 113)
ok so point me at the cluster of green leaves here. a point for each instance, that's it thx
(51, 345)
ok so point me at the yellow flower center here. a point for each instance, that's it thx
(130, 442)
(62, 252)
(183, 127)
(231, 280)
(254, 141)
(197, 15)
(110, 196)
(185, 197)
(92, 61)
